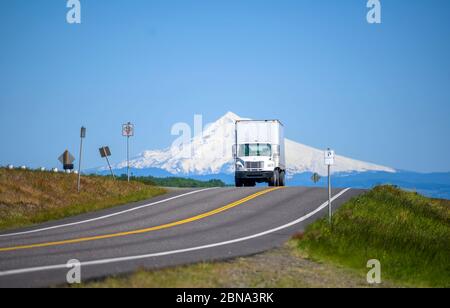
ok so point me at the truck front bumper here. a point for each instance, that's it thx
(254, 175)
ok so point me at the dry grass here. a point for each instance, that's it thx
(30, 197)
(278, 268)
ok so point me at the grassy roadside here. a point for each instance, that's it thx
(31, 197)
(408, 233)
(279, 268)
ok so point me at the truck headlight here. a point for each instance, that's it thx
(270, 165)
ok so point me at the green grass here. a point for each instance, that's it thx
(32, 197)
(408, 233)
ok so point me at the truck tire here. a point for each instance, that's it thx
(275, 180)
(238, 182)
(283, 178)
(272, 180)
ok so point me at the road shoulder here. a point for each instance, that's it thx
(283, 267)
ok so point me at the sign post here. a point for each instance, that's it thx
(105, 152)
(315, 178)
(329, 161)
(82, 136)
(128, 131)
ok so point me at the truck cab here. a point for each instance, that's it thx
(259, 153)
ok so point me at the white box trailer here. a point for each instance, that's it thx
(259, 153)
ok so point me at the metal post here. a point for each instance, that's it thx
(128, 131)
(128, 158)
(82, 136)
(79, 166)
(110, 168)
(329, 194)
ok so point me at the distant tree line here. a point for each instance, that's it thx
(174, 181)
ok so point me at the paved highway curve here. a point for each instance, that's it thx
(182, 227)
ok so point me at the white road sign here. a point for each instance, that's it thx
(128, 130)
(329, 157)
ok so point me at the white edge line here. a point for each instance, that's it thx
(106, 216)
(160, 254)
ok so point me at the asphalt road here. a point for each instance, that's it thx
(182, 227)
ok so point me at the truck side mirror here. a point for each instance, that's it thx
(234, 151)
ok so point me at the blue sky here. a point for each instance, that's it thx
(378, 93)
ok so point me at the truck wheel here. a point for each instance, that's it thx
(283, 179)
(275, 180)
(238, 182)
(272, 180)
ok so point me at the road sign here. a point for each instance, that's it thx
(329, 157)
(128, 130)
(315, 177)
(329, 161)
(67, 160)
(105, 152)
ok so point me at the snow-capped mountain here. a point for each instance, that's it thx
(210, 152)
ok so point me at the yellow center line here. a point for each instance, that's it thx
(141, 231)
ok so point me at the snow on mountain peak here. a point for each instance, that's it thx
(211, 153)
(231, 116)
(301, 158)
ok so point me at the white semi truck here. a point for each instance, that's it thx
(259, 153)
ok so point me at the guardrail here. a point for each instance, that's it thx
(41, 169)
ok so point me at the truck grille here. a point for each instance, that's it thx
(254, 164)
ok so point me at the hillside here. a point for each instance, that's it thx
(408, 233)
(30, 197)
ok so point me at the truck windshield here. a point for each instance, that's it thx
(255, 150)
